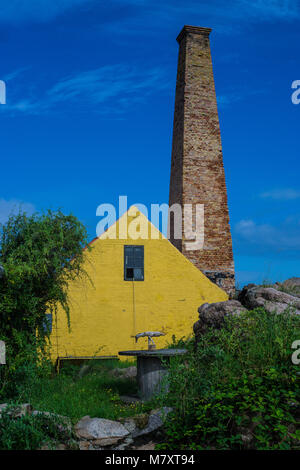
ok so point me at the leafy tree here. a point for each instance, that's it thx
(40, 254)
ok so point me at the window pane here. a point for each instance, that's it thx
(139, 257)
(138, 274)
(129, 274)
(134, 262)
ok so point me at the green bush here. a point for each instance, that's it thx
(40, 254)
(239, 389)
(24, 366)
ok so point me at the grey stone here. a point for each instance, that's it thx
(99, 428)
(84, 445)
(212, 315)
(149, 446)
(61, 447)
(106, 441)
(130, 425)
(271, 299)
(126, 443)
(292, 282)
(291, 286)
(45, 447)
(155, 422)
(141, 420)
(16, 411)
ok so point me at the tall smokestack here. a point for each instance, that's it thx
(197, 172)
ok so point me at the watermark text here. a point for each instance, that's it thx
(178, 222)
(296, 94)
(2, 92)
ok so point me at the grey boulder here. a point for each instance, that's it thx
(212, 315)
(155, 422)
(105, 431)
(291, 286)
(273, 300)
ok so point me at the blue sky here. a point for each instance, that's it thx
(89, 112)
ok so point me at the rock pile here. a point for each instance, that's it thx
(277, 298)
(137, 432)
(272, 299)
(104, 434)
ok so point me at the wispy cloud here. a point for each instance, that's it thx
(14, 74)
(286, 194)
(270, 9)
(266, 238)
(225, 17)
(14, 206)
(226, 99)
(190, 11)
(16, 11)
(236, 8)
(108, 89)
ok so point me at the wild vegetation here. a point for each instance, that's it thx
(239, 389)
(39, 254)
(76, 392)
(236, 389)
(30, 432)
(70, 393)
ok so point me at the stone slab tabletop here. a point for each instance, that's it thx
(155, 352)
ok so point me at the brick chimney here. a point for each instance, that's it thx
(197, 172)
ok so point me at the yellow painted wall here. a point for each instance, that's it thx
(105, 315)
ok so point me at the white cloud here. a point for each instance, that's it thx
(224, 17)
(108, 89)
(268, 238)
(227, 99)
(14, 74)
(191, 11)
(267, 9)
(286, 194)
(14, 206)
(260, 9)
(16, 11)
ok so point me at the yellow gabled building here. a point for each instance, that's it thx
(137, 285)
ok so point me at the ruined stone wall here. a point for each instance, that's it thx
(197, 172)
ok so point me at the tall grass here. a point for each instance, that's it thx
(95, 393)
(239, 376)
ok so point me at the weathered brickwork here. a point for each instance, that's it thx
(197, 172)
